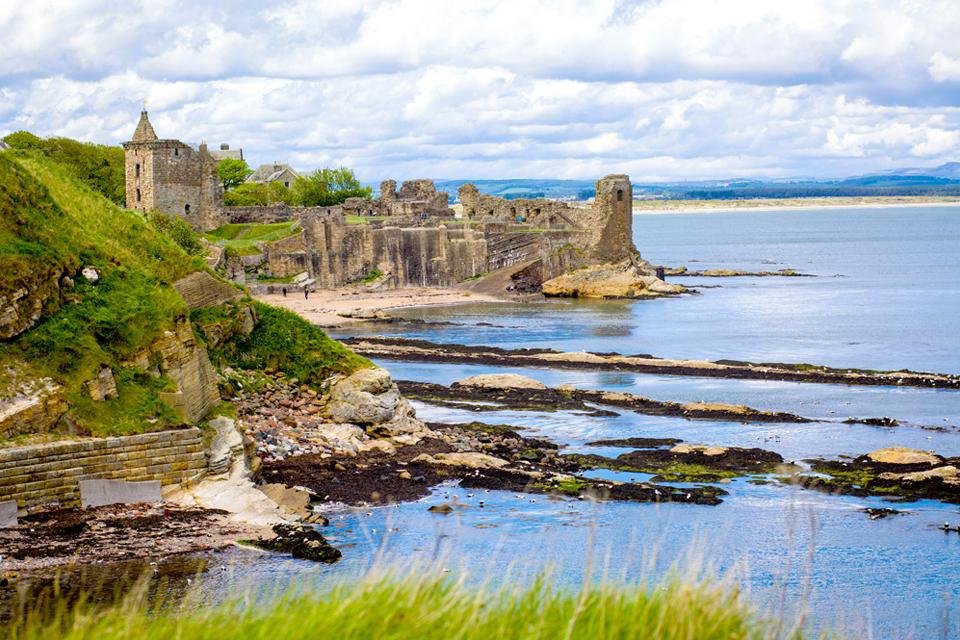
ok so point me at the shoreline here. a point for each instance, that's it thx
(329, 308)
(723, 206)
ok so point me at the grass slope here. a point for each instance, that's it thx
(243, 238)
(52, 223)
(430, 608)
(281, 341)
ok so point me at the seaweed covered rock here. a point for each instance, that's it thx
(301, 541)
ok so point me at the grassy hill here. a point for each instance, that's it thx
(52, 226)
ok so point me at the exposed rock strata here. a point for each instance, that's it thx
(424, 351)
(496, 398)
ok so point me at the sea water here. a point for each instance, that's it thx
(886, 295)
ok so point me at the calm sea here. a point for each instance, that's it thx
(886, 295)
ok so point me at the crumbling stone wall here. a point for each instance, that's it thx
(416, 198)
(539, 213)
(50, 473)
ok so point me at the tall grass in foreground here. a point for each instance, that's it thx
(427, 606)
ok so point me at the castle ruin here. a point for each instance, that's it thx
(407, 237)
(169, 176)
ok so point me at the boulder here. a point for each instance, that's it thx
(366, 397)
(500, 381)
(903, 456)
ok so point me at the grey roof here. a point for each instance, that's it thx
(3, 145)
(220, 154)
(271, 172)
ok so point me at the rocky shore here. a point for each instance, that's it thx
(424, 351)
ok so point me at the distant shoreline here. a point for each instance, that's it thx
(648, 207)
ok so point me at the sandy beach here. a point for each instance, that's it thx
(332, 307)
(664, 207)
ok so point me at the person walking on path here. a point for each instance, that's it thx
(306, 293)
(284, 290)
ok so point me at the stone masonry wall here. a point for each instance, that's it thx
(50, 473)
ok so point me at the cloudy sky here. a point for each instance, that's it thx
(671, 89)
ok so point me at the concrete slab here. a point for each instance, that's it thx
(8, 514)
(96, 493)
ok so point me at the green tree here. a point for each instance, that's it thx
(325, 187)
(252, 194)
(23, 140)
(233, 172)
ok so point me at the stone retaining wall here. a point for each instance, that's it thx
(50, 473)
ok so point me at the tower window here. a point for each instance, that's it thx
(619, 195)
(186, 208)
(138, 195)
(176, 152)
(137, 171)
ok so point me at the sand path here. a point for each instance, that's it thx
(324, 306)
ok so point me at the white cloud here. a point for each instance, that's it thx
(943, 68)
(560, 88)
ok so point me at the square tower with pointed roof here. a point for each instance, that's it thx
(170, 176)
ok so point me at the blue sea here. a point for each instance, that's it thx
(886, 295)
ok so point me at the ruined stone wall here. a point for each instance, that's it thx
(276, 213)
(413, 251)
(539, 213)
(611, 220)
(50, 473)
(415, 198)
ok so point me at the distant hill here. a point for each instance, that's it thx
(943, 180)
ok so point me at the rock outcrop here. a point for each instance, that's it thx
(370, 398)
(34, 406)
(625, 279)
(22, 306)
(200, 289)
(178, 356)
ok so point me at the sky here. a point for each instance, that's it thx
(661, 90)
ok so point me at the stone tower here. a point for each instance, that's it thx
(169, 176)
(613, 219)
